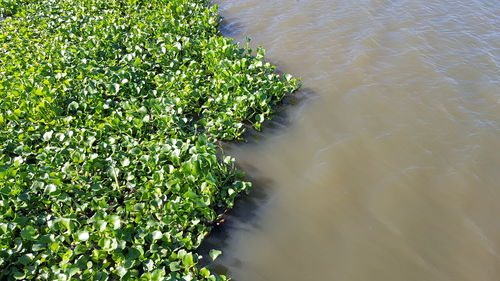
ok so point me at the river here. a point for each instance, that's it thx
(388, 167)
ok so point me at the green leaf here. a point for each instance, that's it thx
(50, 188)
(188, 260)
(73, 106)
(101, 276)
(115, 221)
(214, 254)
(205, 272)
(125, 162)
(108, 244)
(121, 271)
(156, 235)
(157, 275)
(47, 136)
(83, 236)
(26, 259)
(19, 276)
(174, 266)
(28, 233)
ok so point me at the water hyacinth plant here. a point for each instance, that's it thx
(109, 111)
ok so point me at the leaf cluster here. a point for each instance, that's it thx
(109, 111)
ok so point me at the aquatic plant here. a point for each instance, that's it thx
(109, 111)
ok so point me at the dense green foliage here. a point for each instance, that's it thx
(108, 114)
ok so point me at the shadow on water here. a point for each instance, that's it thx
(282, 118)
(244, 214)
(230, 29)
(248, 207)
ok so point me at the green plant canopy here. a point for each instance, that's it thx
(109, 110)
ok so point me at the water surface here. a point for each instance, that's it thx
(391, 170)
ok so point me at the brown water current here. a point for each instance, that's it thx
(390, 170)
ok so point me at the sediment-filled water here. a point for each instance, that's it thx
(389, 169)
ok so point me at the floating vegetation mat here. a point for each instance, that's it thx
(109, 115)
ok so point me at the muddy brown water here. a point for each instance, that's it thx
(389, 169)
